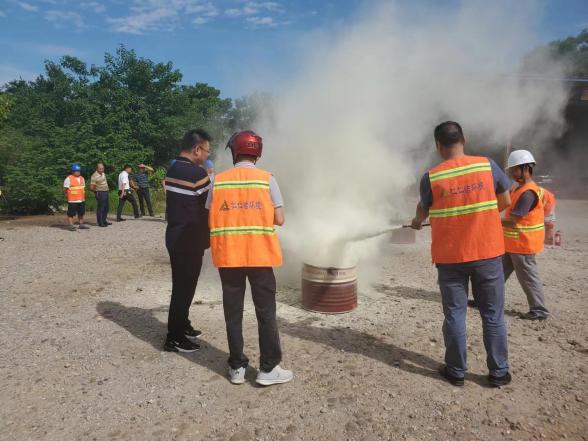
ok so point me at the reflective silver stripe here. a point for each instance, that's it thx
(202, 190)
(181, 191)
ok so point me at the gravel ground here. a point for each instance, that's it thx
(83, 318)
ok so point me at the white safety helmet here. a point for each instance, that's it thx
(520, 157)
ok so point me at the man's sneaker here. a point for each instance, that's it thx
(108, 223)
(499, 381)
(237, 376)
(121, 220)
(84, 227)
(72, 228)
(184, 345)
(456, 381)
(190, 332)
(276, 376)
(531, 315)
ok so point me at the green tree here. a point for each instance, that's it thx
(128, 110)
(572, 51)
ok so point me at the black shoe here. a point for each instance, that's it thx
(532, 316)
(499, 381)
(456, 381)
(184, 345)
(190, 332)
(108, 223)
(121, 220)
(472, 303)
(103, 225)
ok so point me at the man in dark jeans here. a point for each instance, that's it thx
(186, 236)
(99, 185)
(125, 194)
(142, 180)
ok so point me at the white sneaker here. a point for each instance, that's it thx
(276, 376)
(237, 376)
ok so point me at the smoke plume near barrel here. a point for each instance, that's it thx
(352, 131)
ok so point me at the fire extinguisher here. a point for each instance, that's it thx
(557, 238)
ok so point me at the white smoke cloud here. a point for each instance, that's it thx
(353, 130)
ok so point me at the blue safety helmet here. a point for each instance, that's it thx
(76, 167)
(208, 164)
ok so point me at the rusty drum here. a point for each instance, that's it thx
(329, 290)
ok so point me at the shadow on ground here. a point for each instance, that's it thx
(352, 341)
(407, 292)
(142, 324)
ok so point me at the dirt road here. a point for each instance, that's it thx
(83, 318)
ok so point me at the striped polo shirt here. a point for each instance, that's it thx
(142, 179)
(187, 187)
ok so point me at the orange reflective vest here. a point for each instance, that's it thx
(527, 236)
(242, 232)
(465, 222)
(77, 189)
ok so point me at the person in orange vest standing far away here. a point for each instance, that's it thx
(463, 197)
(74, 188)
(245, 203)
(548, 199)
(524, 233)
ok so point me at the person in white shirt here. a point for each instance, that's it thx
(125, 193)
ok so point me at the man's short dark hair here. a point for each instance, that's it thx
(194, 137)
(449, 133)
(127, 166)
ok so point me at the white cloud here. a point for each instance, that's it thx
(153, 15)
(52, 50)
(2, 14)
(141, 22)
(265, 22)
(64, 18)
(97, 7)
(261, 21)
(253, 8)
(28, 7)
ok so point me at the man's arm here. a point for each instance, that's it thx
(149, 169)
(66, 186)
(279, 216)
(422, 209)
(422, 213)
(121, 187)
(503, 200)
(277, 201)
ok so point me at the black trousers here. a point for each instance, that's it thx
(144, 197)
(101, 207)
(263, 291)
(121, 203)
(185, 272)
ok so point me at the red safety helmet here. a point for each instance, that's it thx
(247, 143)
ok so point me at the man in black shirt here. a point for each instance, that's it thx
(187, 235)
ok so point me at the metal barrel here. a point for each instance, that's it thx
(329, 290)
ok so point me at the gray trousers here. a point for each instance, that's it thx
(525, 267)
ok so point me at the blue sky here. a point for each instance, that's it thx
(208, 40)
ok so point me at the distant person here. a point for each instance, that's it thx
(143, 194)
(186, 235)
(74, 188)
(209, 166)
(463, 197)
(524, 233)
(549, 202)
(245, 204)
(125, 193)
(99, 185)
